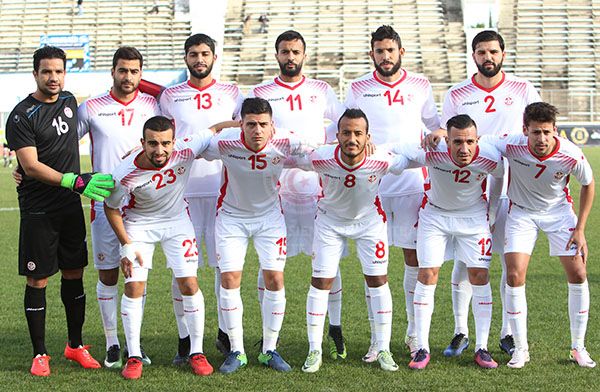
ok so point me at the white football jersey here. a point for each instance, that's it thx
(114, 127)
(541, 184)
(301, 107)
(454, 189)
(194, 108)
(351, 193)
(497, 110)
(250, 180)
(398, 113)
(156, 195)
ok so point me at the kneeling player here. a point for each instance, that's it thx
(454, 211)
(154, 181)
(350, 209)
(540, 166)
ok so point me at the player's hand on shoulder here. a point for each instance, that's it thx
(218, 127)
(96, 186)
(431, 140)
(370, 148)
(134, 149)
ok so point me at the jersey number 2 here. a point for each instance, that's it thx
(490, 101)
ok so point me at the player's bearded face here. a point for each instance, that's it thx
(540, 137)
(488, 57)
(290, 57)
(489, 68)
(200, 61)
(50, 77)
(257, 130)
(353, 137)
(463, 144)
(387, 57)
(158, 146)
(126, 76)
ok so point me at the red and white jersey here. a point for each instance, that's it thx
(156, 195)
(194, 108)
(399, 112)
(538, 184)
(497, 110)
(454, 189)
(301, 107)
(115, 127)
(351, 192)
(250, 180)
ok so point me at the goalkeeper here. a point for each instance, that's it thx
(42, 129)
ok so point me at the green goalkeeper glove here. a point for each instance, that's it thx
(96, 186)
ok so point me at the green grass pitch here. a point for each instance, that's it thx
(549, 368)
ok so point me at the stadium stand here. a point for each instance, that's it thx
(109, 24)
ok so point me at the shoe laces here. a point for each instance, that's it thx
(421, 355)
(134, 362)
(457, 340)
(484, 355)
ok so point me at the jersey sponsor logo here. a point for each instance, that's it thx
(236, 157)
(142, 185)
(508, 101)
(181, 170)
(521, 162)
(184, 99)
(68, 112)
(275, 99)
(469, 103)
(31, 266)
(367, 95)
(559, 175)
(443, 170)
(30, 109)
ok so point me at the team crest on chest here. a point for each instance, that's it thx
(508, 101)
(276, 160)
(410, 97)
(180, 170)
(68, 112)
(313, 98)
(481, 176)
(372, 178)
(559, 175)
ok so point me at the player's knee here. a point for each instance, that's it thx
(478, 276)
(273, 280)
(188, 285)
(37, 283)
(134, 289)
(322, 283)
(109, 277)
(230, 280)
(428, 275)
(515, 278)
(71, 274)
(376, 281)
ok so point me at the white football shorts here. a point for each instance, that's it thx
(267, 232)
(402, 215)
(370, 236)
(203, 211)
(105, 243)
(470, 238)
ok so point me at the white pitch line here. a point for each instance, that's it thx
(8, 209)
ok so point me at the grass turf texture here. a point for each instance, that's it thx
(549, 339)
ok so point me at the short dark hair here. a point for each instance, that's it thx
(127, 53)
(541, 112)
(48, 52)
(198, 39)
(158, 124)
(353, 113)
(486, 36)
(290, 35)
(461, 121)
(385, 32)
(256, 106)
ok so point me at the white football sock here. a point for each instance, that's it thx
(107, 301)
(182, 327)
(273, 310)
(131, 314)
(370, 313)
(316, 306)
(233, 311)
(579, 305)
(260, 285)
(461, 296)
(334, 306)
(381, 301)
(505, 330)
(410, 282)
(424, 304)
(482, 313)
(516, 309)
(220, 319)
(193, 307)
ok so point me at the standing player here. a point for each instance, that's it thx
(249, 207)
(454, 211)
(495, 100)
(42, 129)
(198, 103)
(154, 182)
(350, 209)
(541, 165)
(112, 121)
(299, 102)
(398, 103)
